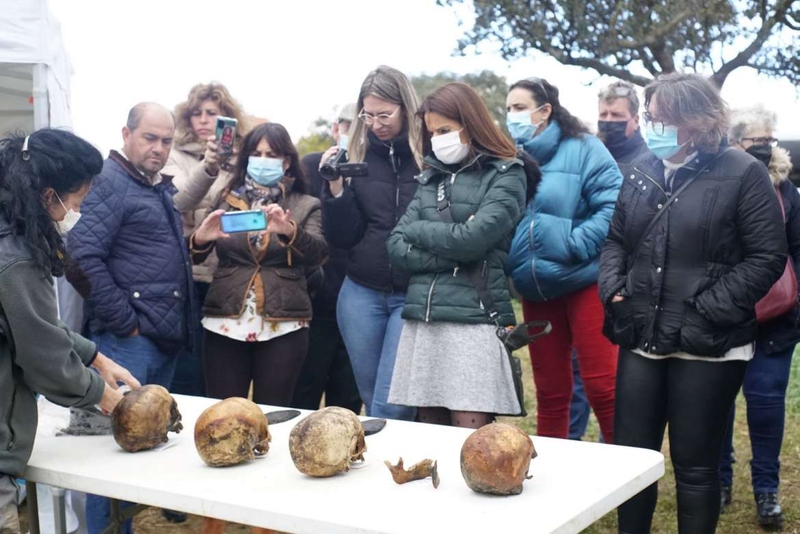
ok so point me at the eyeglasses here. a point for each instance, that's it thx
(658, 126)
(383, 118)
(761, 141)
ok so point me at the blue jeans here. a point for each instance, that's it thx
(370, 323)
(149, 365)
(579, 409)
(765, 391)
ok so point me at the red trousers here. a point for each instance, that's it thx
(577, 321)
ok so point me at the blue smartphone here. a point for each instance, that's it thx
(243, 221)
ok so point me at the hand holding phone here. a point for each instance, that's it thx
(243, 221)
(225, 135)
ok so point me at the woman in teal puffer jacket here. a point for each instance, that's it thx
(450, 363)
(555, 254)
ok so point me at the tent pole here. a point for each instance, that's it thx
(41, 107)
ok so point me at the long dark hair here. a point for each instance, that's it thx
(281, 143)
(459, 102)
(54, 159)
(545, 93)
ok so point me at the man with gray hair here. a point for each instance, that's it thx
(133, 267)
(618, 128)
(618, 124)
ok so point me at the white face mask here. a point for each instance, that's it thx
(448, 148)
(69, 221)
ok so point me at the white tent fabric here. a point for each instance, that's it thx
(34, 68)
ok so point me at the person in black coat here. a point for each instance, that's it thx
(357, 215)
(767, 376)
(695, 242)
(327, 368)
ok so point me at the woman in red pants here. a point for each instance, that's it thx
(555, 253)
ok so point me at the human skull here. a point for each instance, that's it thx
(326, 442)
(230, 432)
(143, 417)
(495, 459)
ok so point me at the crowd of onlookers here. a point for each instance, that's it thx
(658, 260)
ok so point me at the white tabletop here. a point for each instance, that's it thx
(574, 483)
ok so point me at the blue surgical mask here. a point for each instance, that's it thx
(343, 139)
(265, 171)
(663, 145)
(520, 125)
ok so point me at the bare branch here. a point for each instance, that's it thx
(742, 59)
(654, 38)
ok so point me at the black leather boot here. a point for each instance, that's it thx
(770, 515)
(725, 497)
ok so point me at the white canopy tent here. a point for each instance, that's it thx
(34, 68)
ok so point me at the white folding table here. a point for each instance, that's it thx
(574, 483)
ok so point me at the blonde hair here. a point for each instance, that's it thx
(229, 107)
(393, 86)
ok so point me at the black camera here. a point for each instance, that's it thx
(337, 165)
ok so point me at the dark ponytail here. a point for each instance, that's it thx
(533, 175)
(54, 159)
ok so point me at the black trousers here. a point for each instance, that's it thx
(326, 370)
(694, 398)
(273, 367)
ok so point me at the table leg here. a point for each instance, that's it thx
(60, 510)
(33, 507)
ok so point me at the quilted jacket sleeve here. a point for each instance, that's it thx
(613, 257)
(90, 244)
(600, 181)
(407, 257)
(497, 215)
(309, 245)
(762, 235)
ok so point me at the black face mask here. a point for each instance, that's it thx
(612, 133)
(762, 153)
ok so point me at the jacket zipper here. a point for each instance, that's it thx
(8, 420)
(430, 298)
(655, 183)
(533, 261)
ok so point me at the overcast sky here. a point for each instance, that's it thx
(292, 61)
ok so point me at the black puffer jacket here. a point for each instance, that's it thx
(784, 332)
(693, 285)
(361, 219)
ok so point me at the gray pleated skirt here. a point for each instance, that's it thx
(457, 366)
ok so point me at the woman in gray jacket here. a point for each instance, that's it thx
(43, 179)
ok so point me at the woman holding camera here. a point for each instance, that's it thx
(450, 363)
(201, 175)
(257, 309)
(359, 215)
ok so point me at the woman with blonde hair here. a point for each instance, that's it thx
(202, 177)
(359, 215)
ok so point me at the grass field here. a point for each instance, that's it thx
(740, 518)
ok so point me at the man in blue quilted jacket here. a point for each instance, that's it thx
(133, 263)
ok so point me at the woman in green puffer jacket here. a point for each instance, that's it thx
(450, 363)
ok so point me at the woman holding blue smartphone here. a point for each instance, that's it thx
(258, 309)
